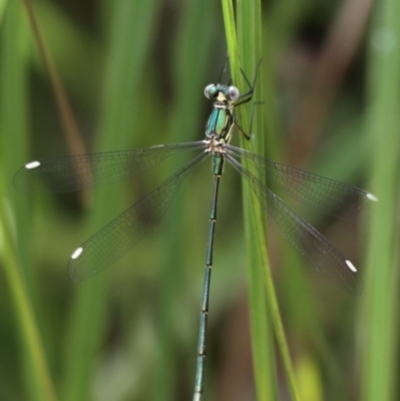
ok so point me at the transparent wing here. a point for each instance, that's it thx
(327, 195)
(123, 233)
(317, 250)
(73, 173)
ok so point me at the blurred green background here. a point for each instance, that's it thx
(112, 75)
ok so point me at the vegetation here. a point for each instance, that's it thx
(79, 77)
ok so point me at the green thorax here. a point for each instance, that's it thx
(219, 123)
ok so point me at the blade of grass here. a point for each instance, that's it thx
(379, 327)
(263, 354)
(131, 33)
(66, 40)
(71, 130)
(13, 134)
(35, 356)
(3, 4)
(249, 34)
(43, 388)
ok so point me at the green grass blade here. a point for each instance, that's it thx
(132, 27)
(14, 216)
(3, 4)
(250, 38)
(250, 45)
(42, 388)
(379, 331)
(71, 130)
(263, 354)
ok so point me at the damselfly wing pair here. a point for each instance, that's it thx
(74, 173)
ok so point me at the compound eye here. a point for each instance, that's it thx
(210, 90)
(234, 93)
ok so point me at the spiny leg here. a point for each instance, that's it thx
(242, 131)
(247, 96)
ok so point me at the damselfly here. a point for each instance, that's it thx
(123, 233)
